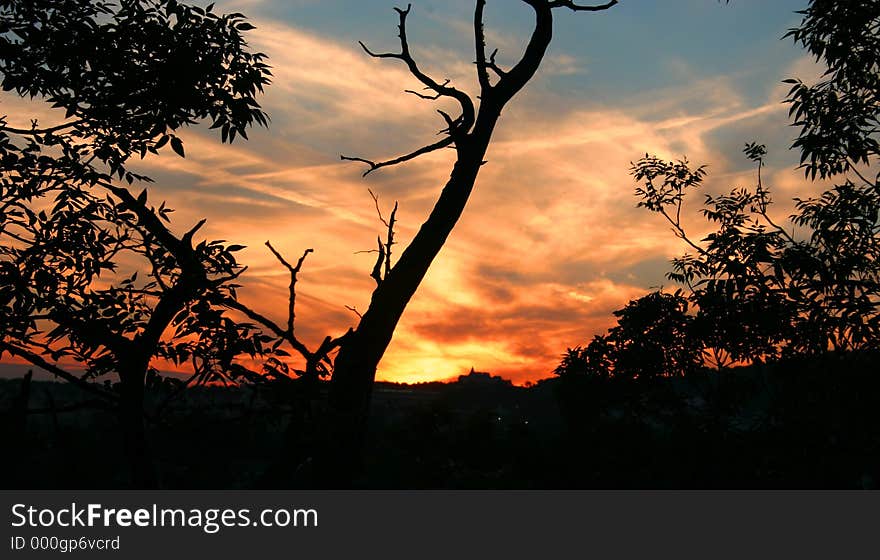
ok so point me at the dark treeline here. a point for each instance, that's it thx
(788, 426)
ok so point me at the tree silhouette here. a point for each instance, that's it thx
(741, 302)
(764, 291)
(358, 352)
(91, 273)
(759, 291)
(653, 338)
(469, 134)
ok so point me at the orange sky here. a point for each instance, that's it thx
(550, 243)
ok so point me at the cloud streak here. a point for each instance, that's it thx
(550, 244)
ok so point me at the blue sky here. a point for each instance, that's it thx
(636, 46)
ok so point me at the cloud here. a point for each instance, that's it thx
(550, 243)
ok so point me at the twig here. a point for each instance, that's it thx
(294, 271)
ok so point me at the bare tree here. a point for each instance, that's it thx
(469, 134)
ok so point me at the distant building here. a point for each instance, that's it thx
(482, 379)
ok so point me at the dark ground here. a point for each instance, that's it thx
(806, 424)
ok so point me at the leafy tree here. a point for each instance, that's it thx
(838, 116)
(738, 288)
(757, 290)
(653, 338)
(761, 290)
(91, 273)
(595, 361)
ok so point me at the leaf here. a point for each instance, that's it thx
(177, 146)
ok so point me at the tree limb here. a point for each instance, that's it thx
(354, 310)
(376, 274)
(445, 90)
(579, 8)
(457, 128)
(55, 370)
(480, 44)
(434, 97)
(517, 77)
(493, 66)
(374, 165)
(35, 131)
(271, 325)
(294, 271)
(531, 59)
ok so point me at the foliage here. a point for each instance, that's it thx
(131, 73)
(651, 339)
(90, 271)
(838, 116)
(759, 291)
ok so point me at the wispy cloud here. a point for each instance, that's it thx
(550, 244)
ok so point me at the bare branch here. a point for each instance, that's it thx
(480, 44)
(450, 122)
(355, 311)
(271, 325)
(523, 71)
(464, 100)
(413, 155)
(376, 274)
(579, 8)
(493, 66)
(457, 128)
(55, 370)
(424, 96)
(33, 131)
(294, 271)
(380, 55)
(375, 198)
(389, 240)
(484, 65)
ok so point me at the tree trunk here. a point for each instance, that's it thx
(340, 460)
(134, 433)
(20, 408)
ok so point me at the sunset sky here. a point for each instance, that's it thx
(551, 242)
